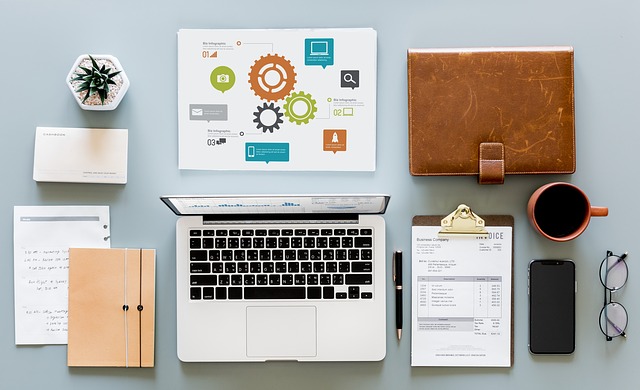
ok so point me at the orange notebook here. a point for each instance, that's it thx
(111, 307)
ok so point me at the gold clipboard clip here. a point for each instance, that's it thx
(462, 221)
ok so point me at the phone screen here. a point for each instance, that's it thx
(552, 291)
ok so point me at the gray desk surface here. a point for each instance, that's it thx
(41, 39)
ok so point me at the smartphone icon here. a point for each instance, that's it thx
(552, 290)
(251, 151)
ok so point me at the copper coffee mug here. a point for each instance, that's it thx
(561, 211)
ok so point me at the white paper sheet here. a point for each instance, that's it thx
(277, 99)
(461, 298)
(42, 238)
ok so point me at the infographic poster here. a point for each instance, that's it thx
(298, 100)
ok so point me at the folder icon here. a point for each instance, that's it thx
(111, 307)
(197, 112)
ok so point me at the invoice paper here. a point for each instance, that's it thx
(461, 298)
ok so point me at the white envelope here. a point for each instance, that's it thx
(197, 112)
(80, 155)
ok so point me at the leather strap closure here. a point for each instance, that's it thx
(491, 163)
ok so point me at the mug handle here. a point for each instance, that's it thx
(599, 211)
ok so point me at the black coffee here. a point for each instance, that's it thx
(560, 211)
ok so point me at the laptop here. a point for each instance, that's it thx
(280, 277)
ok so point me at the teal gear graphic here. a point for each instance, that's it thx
(293, 111)
(268, 117)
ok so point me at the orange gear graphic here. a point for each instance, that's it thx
(272, 77)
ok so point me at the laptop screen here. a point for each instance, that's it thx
(276, 204)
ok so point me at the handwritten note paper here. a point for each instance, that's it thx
(42, 238)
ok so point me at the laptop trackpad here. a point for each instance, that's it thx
(281, 332)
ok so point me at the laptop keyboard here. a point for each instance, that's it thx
(304, 263)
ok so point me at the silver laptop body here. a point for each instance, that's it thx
(222, 319)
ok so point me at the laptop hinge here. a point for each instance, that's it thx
(279, 218)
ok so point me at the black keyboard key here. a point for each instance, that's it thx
(207, 243)
(354, 254)
(318, 267)
(247, 232)
(255, 267)
(341, 254)
(341, 295)
(235, 292)
(344, 266)
(271, 242)
(328, 254)
(327, 292)
(258, 242)
(207, 292)
(352, 232)
(314, 292)
(299, 279)
(352, 279)
(224, 280)
(209, 233)
(230, 268)
(281, 267)
(325, 279)
(363, 242)
(245, 242)
(290, 254)
(338, 279)
(362, 266)
(331, 266)
(279, 292)
(262, 280)
(315, 254)
(243, 267)
(287, 279)
(322, 242)
(274, 232)
(366, 254)
(277, 254)
(366, 232)
(195, 233)
(236, 280)
(274, 280)
(347, 242)
(287, 232)
(366, 295)
(233, 242)
(326, 232)
(309, 242)
(221, 293)
(261, 232)
(312, 279)
(226, 255)
(252, 254)
(249, 280)
(306, 267)
(221, 242)
(214, 255)
(283, 242)
(234, 233)
(339, 232)
(198, 255)
(293, 267)
(267, 268)
(239, 255)
(313, 232)
(196, 293)
(300, 232)
(221, 232)
(303, 254)
(217, 268)
(200, 268)
(334, 242)
(195, 243)
(296, 242)
(203, 280)
(265, 255)
(354, 292)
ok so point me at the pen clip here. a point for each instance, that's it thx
(393, 265)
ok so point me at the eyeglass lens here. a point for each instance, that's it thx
(613, 275)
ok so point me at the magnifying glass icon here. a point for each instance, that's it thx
(348, 78)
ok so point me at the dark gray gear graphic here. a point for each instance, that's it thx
(262, 117)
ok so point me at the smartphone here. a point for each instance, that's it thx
(552, 306)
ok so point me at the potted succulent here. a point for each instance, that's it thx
(98, 82)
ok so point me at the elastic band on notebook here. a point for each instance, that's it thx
(125, 308)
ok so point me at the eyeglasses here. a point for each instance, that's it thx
(613, 275)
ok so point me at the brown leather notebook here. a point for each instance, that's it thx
(491, 112)
(111, 307)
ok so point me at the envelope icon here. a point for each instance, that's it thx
(197, 112)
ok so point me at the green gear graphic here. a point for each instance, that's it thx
(297, 117)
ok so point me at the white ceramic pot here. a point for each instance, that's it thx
(116, 92)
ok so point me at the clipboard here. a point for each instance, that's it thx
(443, 274)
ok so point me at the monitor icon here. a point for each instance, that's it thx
(319, 48)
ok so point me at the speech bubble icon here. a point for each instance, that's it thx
(318, 52)
(266, 151)
(222, 78)
(334, 140)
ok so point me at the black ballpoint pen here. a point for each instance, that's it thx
(397, 278)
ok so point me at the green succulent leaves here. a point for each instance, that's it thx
(95, 80)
